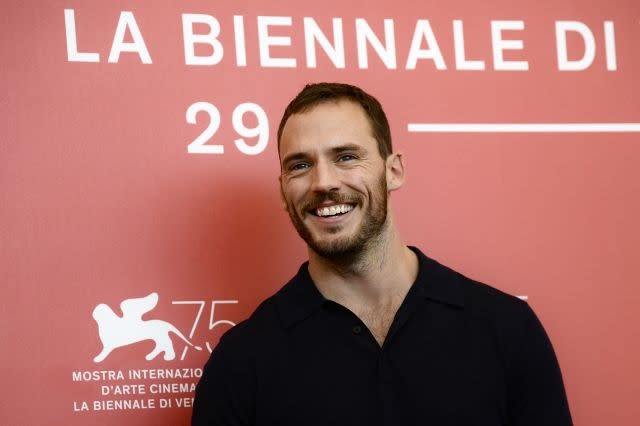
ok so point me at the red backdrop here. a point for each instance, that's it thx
(109, 189)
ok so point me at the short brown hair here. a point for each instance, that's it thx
(318, 93)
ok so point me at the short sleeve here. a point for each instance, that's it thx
(536, 394)
(225, 394)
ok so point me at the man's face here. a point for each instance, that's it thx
(333, 179)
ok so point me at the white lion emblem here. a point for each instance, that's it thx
(118, 331)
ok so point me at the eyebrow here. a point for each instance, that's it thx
(293, 157)
(346, 147)
(335, 150)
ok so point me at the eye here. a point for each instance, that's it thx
(299, 166)
(347, 157)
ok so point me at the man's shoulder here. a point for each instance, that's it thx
(265, 323)
(262, 322)
(479, 298)
(484, 298)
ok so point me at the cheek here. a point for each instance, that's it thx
(291, 191)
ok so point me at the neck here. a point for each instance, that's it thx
(385, 268)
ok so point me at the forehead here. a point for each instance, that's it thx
(325, 126)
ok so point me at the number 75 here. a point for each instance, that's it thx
(212, 323)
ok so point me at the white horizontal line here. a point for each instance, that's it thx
(524, 127)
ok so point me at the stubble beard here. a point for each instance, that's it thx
(348, 248)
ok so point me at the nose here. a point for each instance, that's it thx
(324, 177)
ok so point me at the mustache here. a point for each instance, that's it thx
(314, 201)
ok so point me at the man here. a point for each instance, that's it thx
(370, 331)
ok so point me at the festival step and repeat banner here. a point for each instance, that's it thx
(140, 215)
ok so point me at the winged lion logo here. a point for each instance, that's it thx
(130, 328)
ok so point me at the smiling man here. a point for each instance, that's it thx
(371, 331)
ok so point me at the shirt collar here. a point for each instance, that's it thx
(300, 298)
(437, 282)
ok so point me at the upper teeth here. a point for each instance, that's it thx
(333, 210)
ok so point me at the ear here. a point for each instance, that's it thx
(395, 171)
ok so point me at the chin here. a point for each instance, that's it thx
(336, 247)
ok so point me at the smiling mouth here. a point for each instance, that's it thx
(331, 211)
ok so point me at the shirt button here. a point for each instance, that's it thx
(356, 329)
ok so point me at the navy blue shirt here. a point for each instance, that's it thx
(458, 353)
